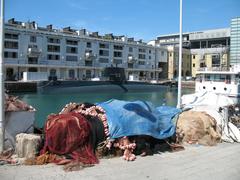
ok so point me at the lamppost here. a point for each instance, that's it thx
(180, 58)
(2, 94)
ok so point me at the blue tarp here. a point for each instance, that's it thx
(127, 118)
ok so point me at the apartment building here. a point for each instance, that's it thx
(76, 54)
(202, 49)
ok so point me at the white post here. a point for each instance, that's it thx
(2, 94)
(180, 59)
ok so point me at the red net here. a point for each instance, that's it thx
(69, 134)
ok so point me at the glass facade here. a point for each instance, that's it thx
(235, 42)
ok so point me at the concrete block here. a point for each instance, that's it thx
(27, 145)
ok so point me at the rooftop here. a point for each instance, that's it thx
(32, 25)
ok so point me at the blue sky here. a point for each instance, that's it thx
(142, 19)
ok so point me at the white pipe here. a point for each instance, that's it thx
(180, 59)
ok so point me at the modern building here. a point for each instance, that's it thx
(202, 49)
(235, 42)
(76, 54)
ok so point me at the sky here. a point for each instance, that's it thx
(141, 19)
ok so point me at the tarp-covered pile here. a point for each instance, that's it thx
(68, 134)
(127, 118)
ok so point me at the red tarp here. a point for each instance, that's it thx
(69, 134)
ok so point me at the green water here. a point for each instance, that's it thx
(48, 103)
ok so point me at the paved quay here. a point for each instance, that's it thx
(195, 162)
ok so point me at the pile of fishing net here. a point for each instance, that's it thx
(197, 127)
(67, 141)
(12, 103)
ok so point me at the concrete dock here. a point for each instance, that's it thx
(195, 162)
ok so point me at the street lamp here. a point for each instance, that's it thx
(180, 59)
(2, 94)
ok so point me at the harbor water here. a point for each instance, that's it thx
(54, 101)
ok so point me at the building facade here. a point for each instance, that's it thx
(173, 62)
(235, 42)
(201, 49)
(76, 54)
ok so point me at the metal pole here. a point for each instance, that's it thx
(180, 59)
(2, 94)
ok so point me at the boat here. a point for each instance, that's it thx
(219, 82)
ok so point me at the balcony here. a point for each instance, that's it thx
(33, 52)
(89, 56)
(132, 59)
(213, 69)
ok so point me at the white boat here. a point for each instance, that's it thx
(219, 82)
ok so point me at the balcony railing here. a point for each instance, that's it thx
(35, 61)
(213, 69)
(33, 52)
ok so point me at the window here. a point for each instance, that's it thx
(195, 45)
(53, 40)
(103, 60)
(53, 57)
(215, 60)
(33, 39)
(71, 74)
(11, 36)
(193, 56)
(53, 72)
(150, 51)
(117, 54)
(130, 49)
(141, 56)
(162, 53)
(141, 62)
(52, 48)
(141, 50)
(73, 50)
(117, 47)
(150, 57)
(103, 53)
(170, 54)
(11, 45)
(117, 61)
(10, 54)
(203, 44)
(89, 44)
(72, 42)
(71, 58)
(193, 65)
(32, 46)
(104, 46)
